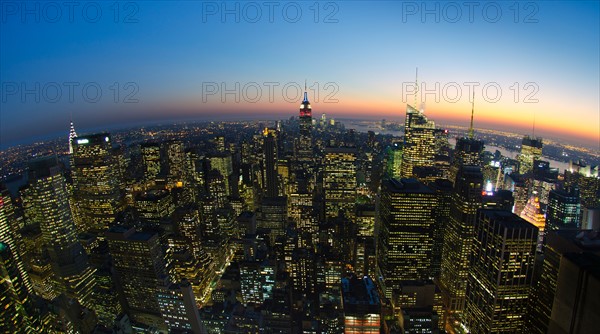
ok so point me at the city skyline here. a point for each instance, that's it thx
(171, 58)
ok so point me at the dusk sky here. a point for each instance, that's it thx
(167, 60)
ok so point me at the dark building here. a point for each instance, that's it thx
(558, 243)
(576, 307)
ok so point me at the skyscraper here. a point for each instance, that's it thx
(8, 234)
(419, 141)
(531, 149)
(458, 238)
(140, 269)
(72, 136)
(405, 241)
(14, 298)
(96, 194)
(533, 214)
(68, 259)
(271, 182)
(151, 159)
(178, 308)
(362, 306)
(339, 181)
(304, 147)
(575, 308)
(501, 273)
(558, 243)
(563, 210)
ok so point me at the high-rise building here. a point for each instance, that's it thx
(531, 149)
(273, 216)
(405, 241)
(501, 273)
(443, 189)
(72, 136)
(419, 141)
(151, 159)
(175, 163)
(271, 180)
(74, 275)
(534, 215)
(575, 308)
(304, 147)
(9, 233)
(222, 162)
(458, 238)
(468, 151)
(140, 270)
(362, 305)
(178, 308)
(563, 210)
(15, 300)
(96, 193)
(558, 243)
(339, 181)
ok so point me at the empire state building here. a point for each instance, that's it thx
(304, 150)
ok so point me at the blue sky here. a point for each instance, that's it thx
(367, 49)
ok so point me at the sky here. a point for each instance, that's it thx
(108, 63)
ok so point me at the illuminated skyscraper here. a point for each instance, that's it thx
(531, 149)
(443, 189)
(175, 156)
(271, 181)
(140, 270)
(96, 193)
(419, 141)
(151, 158)
(14, 298)
(533, 214)
(563, 210)
(339, 181)
(458, 238)
(8, 234)
(178, 308)
(304, 147)
(69, 261)
(501, 273)
(222, 163)
(72, 136)
(405, 244)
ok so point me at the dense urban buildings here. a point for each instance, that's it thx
(297, 226)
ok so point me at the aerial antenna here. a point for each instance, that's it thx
(472, 113)
(416, 87)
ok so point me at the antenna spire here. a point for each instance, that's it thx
(416, 87)
(472, 113)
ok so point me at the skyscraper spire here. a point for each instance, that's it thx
(472, 113)
(305, 93)
(72, 135)
(416, 86)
